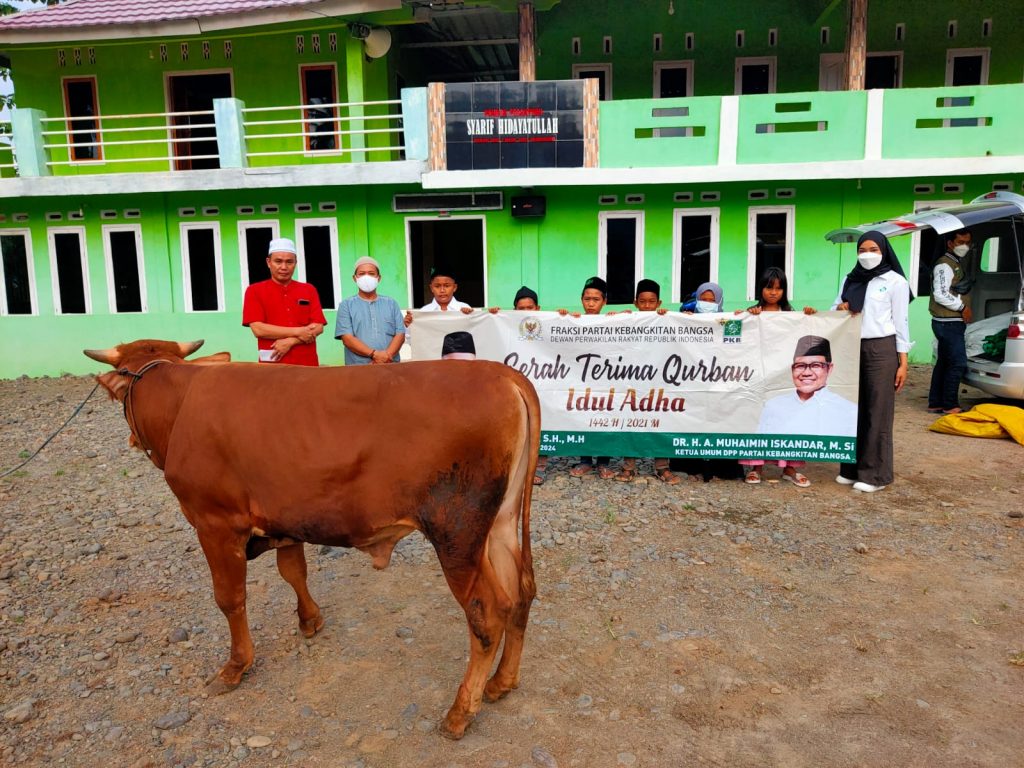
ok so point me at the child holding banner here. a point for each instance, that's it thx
(772, 296)
(709, 300)
(593, 298)
(647, 299)
(443, 286)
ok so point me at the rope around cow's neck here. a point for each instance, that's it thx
(129, 410)
(47, 441)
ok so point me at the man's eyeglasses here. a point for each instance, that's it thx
(813, 367)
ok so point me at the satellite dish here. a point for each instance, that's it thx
(378, 42)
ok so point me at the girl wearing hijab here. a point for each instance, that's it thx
(709, 299)
(877, 289)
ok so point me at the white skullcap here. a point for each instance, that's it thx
(366, 260)
(281, 245)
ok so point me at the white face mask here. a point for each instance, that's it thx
(869, 260)
(961, 250)
(367, 283)
(706, 306)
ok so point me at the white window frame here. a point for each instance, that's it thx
(408, 252)
(605, 67)
(300, 246)
(752, 214)
(218, 262)
(661, 66)
(899, 63)
(915, 237)
(31, 267)
(741, 61)
(243, 249)
(55, 278)
(603, 218)
(108, 264)
(953, 53)
(678, 214)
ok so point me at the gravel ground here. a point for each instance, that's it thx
(709, 624)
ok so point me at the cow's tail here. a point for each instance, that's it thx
(532, 403)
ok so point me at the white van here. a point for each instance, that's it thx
(996, 221)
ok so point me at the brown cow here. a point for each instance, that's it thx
(267, 457)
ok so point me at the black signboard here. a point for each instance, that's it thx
(514, 125)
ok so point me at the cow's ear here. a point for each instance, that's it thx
(219, 357)
(114, 383)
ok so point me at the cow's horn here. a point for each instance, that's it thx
(190, 347)
(108, 356)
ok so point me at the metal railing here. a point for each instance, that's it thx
(85, 140)
(7, 156)
(341, 128)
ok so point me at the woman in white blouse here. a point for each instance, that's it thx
(878, 289)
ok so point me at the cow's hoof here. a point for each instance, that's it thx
(495, 691)
(310, 627)
(454, 727)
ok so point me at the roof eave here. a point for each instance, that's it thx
(196, 26)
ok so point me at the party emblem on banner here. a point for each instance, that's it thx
(530, 329)
(732, 332)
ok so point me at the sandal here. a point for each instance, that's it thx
(580, 470)
(753, 477)
(667, 476)
(626, 475)
(800, 481)
(605, 472)
(538, 475)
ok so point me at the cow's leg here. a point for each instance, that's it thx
(291, 563)
(487, 609)
(225, 554)
(516, 578)
(506, 677)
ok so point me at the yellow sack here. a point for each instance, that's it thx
(985, 420)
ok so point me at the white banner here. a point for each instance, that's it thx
(779, 385)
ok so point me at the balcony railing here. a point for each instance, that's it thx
(324, 131)
(162, 140)
(8, 166)
(230, 135)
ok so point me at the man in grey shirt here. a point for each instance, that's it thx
(369, 325)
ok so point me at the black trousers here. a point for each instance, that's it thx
(950, 365)
(876, 406)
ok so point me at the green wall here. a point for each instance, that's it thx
(714, 25)
(554, 255)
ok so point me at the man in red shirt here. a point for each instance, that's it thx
(284, 314)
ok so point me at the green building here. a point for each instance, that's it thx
(154, 152)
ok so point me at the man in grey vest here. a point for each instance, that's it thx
(951, 311)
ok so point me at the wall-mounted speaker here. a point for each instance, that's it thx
(529, 206)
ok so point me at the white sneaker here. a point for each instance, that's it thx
(867, 487)
(844, 480)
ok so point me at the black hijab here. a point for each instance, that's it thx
(856, 285)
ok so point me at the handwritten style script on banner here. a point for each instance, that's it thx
(779, 385)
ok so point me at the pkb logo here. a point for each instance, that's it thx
(732, 332)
